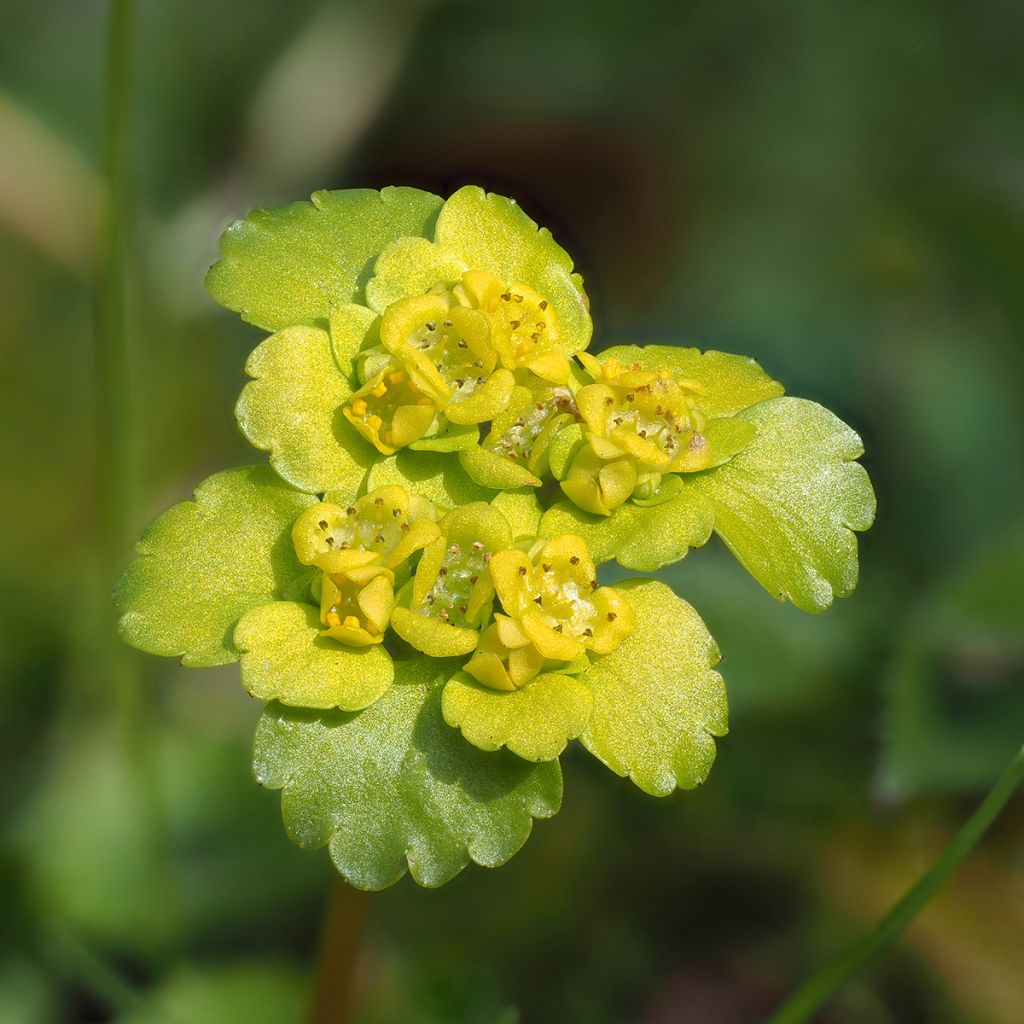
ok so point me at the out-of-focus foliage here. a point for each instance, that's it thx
(831, 189)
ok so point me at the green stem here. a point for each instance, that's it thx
(115, 469)
(819, 987)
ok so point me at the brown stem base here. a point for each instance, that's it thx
(339, 950)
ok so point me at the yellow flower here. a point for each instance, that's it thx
(390, 410)
(524, 328)
(356, 603)
(640, 425)
(441, 610)
(358, 549)
(553, 612)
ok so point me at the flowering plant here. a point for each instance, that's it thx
(412, 584)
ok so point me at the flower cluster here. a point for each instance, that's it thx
(550, 610)
(413, 582)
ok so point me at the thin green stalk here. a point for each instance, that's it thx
(117, 427)
(115, 462)
(820, 986)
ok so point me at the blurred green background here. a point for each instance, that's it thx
(836, 189)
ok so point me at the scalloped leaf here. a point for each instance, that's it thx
(292, 409)
(732, 382)
(478, 230)
(393, 788)
(434, 475)
(788, 505)
(642, 538)
(535, 722)
(658, 702)
(285, 658)
(290, 265)
(206, 562)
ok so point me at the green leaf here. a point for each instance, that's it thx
(285, 658)
(412, 266)
(788, 505)
(206, 562)
(522, 510)
(481, 231)
(455, 438)
(292, 409)
(658, 703)
(495, 471)
(643, 538)
(534, 722)
(433, 475)
(732, 382)
(393, 787)
(289, 266)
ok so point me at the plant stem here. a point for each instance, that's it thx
(339, 950)
(819, 987)
(115, 468)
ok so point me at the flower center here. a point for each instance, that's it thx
(517, 441)
(340, 606)
(564, 601)
(348, 529)
(384, 408)
(660, 410)
(449, 598)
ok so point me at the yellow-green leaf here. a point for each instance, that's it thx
(434, 475)
(534, 722)
(394, 788)
(788, 505)
(658, 702)
(285, 658)
(644, 538)
(292, 409)
(290, 265)
(206, 562)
